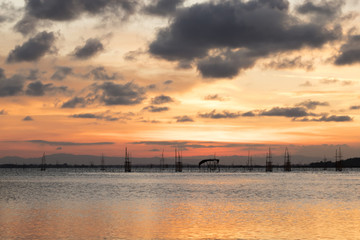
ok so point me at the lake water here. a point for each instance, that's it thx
(83, 204)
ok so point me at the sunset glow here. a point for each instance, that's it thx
(211, 77)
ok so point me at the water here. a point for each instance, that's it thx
(83, 204)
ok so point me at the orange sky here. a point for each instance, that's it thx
(89, 79)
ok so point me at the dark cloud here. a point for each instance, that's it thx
(312, 104)
(64, 10)
(355, 107)
(132, 55)
(292, 112)
(249, 114)
(349, 52)
(120, 94)
(61, 73)
(34, 74)
(214, 115)
(184, 118)
(326, 118)
(288, 63)
(156, 109)
(225, 64)
(163, 7)
(98, 116)
(11, 86)
(214, 97)
(33, 49)
(59, 148)
(28, 118)
(91, 48)
(2, 112)
(52, 143)
(239, 32)
(151, 86)
(39, 89)
(27, 25)
(100, 73)
(154, 150)
(323, 10)
(168, 82)
(161, 100)
(75, 102)
(67, 10)
(2, 74)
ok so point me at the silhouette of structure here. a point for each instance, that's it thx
(178, 161)
(338, 160)
(43, 163)
(162, 161)
(287, 163)
(268, 167)
(127, 164)
(102, 163)
(249, 162)
(325, 163)
(212, 165)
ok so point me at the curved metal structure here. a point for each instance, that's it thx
(211, 164)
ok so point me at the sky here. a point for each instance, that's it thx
(208, 77)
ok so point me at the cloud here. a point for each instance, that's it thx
(33, 49)
(28, 118)
(288, 63)
(100, 73)
(168, 82)
(161, 100)
(61, 73)
(11, 86)
(27, 25)
(3, 112)
(120, 94)
(349, 52)
(321, 11)
(334, 81)
(52, 143)
(8, 12)
(311, 104)
(214, 97)
(225, 64)
(2, 74)
(156, 109)
(75, 102)
(68, 10)
(91, 48)
(99, 116)
(326, 118)
(225, 37)
(59, 148)
(163, 7)
(355, 107)
(34, 74)
(306, 84)
(292, 112)
(224, 114)
(132, 55)
(184, 118)
(39, 89)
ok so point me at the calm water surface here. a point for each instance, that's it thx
(83, 204)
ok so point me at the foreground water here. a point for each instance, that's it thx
(83, 204)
